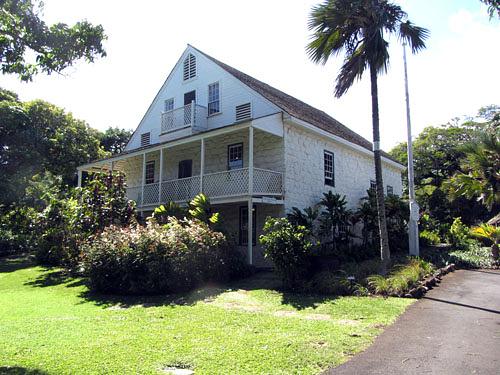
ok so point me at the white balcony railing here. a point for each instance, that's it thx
(215, 185)
(191, 115)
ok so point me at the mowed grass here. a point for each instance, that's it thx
(51, 324)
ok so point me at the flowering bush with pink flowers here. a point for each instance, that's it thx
(169, 258)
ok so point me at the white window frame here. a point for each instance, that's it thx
(390, 190)
(329, 170)
(373, 185)
(169, 105)
(229, 149)
(214, 100)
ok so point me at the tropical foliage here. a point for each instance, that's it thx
(157, 259)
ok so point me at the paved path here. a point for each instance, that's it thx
(454, 329)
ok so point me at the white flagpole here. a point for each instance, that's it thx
(414, 208)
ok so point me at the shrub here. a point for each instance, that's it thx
(289, 247)
(428, 238)
(331, 283)
(67, 221)
(459, 234)
(16, 230)
(474, 256)
(159, 259)
(401, 279)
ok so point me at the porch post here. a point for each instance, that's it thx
(143, 177)
(250, 231)
(202, 163)
(160, 175)
(250, 195)
(250, 160)
(192, 114)
(79, 173)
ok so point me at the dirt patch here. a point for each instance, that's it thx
(295, 314)
(237, 306)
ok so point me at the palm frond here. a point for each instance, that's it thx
(415, 36)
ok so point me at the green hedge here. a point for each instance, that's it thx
(175, 257)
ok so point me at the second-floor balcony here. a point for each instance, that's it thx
(225, 184)
(192, 116)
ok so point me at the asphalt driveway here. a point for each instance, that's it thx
(454, 329)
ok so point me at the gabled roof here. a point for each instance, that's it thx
(297, 108)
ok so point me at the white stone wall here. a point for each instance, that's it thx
(304, 171)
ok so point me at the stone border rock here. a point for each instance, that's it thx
(429, 282)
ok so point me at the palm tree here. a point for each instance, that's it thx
(359, 28)
(480, 175)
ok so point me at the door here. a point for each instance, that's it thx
(188, 98)
(185, 168)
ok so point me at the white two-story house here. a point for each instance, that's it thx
(252, 149)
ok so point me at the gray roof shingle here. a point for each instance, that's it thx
(297, 108)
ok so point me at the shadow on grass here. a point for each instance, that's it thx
(52, 277)
(15, 370)
(123, 301)
(12, 264)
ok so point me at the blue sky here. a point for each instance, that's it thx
(454, 76)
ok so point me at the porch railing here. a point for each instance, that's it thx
(215, 185)
(191, 115)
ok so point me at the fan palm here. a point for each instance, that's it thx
(359, 28)
(481, 171)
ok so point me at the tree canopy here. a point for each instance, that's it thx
(38, 137)
(28, 45)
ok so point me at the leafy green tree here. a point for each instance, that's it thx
(28, 45)
(358, 27)
(114, 140)
(333, 216)
(36, 137)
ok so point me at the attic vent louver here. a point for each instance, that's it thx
(189, 67)
(145, 139)
(243, 112)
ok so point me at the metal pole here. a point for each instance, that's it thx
(414, 208)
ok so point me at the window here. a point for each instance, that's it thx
(213, 98)
(235, 156)
(189, 67)
(150, 172)
(390, 190)
(243, 112)
(169, 105)
(329, 167)
(145, 139)
(243, 232)
(373, 185)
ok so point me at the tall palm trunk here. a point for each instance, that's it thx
(385, 254)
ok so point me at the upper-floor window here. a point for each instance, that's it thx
(189, 67)
(213, 98)
(390, 190)
(145, 139)
(235, 156)
(150, 172)
(329, 168)
(169, 105)
(373, 185)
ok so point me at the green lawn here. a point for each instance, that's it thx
(51, 324)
